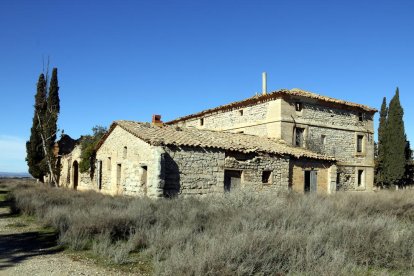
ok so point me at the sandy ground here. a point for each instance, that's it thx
(27, 249)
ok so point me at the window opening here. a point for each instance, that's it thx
(266, 177)
(360, 176)
(108, 165)
(323, 139)
(360, 139)
(118, 174)
(299, 137)
(360, 116)
(125, 152)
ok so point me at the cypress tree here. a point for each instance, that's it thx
(382, 143)
(35, 154)
(409, 168)
(53, 107)
(394, 161)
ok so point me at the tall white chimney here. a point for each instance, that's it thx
(264, 84)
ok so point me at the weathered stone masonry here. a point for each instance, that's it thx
(331, 127)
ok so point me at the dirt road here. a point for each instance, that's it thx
(26, 248)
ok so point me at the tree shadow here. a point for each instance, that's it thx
(18, 247)
(15, 248)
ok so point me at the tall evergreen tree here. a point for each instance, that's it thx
(35, 154)
(53, 108)
(409, 166)
(382, 143)
(394, 161)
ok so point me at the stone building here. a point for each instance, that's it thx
(284, 140)
(159, 160)
(70, 176)
(305, 120)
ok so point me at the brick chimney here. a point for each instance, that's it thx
(156, 120)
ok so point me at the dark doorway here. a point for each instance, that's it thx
(144, 177)
(75, 175)
(232, 180)
(311, 181)
(99, 176)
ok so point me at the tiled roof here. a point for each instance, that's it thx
(193, 137)
(273, 95)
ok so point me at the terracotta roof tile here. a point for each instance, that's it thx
(273, 95)
(180, 136)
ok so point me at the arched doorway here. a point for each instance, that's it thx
(75, 174)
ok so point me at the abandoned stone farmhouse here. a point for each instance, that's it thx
(285, 140)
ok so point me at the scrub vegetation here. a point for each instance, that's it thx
(233, 234)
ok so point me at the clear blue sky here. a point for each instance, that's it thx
(132, 59)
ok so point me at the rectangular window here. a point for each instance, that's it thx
(202, 122)
(241, 112)
(360, 116)
(360, 177)
(125, 152)
(323, 140)
(108, 164)
(360, 142)
(266, 177)
(299, 137)
(118, 174)
(298, 106)
(338, 178)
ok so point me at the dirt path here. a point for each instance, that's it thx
(28, 249)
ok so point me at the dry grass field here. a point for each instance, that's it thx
(233, 234)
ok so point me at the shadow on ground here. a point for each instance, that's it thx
(18, 247)
(15, 248)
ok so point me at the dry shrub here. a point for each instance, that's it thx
(239, 233)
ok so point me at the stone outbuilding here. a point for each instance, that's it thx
(69, 159)
(144, 159)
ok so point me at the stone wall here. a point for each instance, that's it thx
(341, 144)
(193, 171)
(348, 178)
(67, 177)
(254, 166)
(197, 171)
(129, 165)
(249, 119)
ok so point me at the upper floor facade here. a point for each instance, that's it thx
(322, 124)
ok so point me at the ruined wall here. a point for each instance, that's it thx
(348, 178)
(132, 171)
(326, 175)
(67, 177)
(253, 167)
(197, 171)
